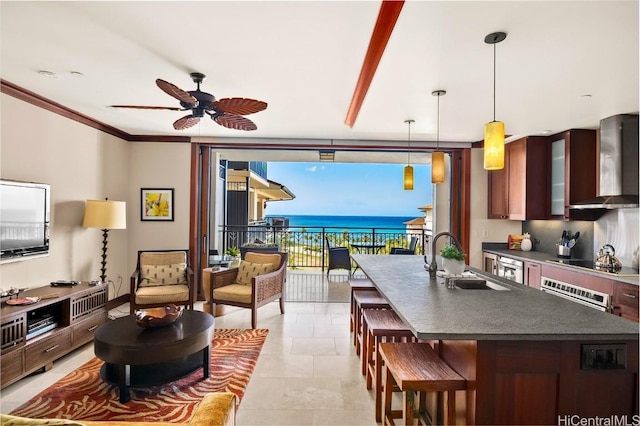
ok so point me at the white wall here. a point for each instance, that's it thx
(82, 163)
(79, 163)
(158, 165)
(483, 229)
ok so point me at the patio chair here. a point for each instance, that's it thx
(402, 250)
(258, 280)
(162, 277)
(339, 257)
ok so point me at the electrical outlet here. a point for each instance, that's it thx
(604, 357)
(485, 233)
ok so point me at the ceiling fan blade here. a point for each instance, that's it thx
(233, 121)
(239, 106)
(186, 122)
(146, 107)
(176, 92)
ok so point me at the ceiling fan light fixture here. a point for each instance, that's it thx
(494, 130)
(437, 157)
(408, 170)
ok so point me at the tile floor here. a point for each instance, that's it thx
(307, 373)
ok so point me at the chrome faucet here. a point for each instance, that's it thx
(433, 266)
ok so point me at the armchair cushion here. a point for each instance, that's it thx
(161, 275)
(152, 295)
(233, 293)
(248, 270)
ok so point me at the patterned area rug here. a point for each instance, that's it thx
(83, 395)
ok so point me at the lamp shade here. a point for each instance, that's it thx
(437, 167)
(105, 214)
(408, 178)
(494, 145)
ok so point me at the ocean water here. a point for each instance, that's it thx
(341, 223)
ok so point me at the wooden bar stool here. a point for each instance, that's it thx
(380, 325)
(416, 368)
(357, 284)
(365, 299)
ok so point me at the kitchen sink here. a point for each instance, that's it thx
(477, 284)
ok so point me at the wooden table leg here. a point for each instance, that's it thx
(124, 380)
(206, 359)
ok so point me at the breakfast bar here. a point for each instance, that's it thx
(528, 357)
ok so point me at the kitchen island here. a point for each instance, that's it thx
(529, 357)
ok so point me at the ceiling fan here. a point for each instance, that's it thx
(227, 112)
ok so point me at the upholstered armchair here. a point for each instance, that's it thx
(162, 277)
(402, 250)
(339, 257)
(260, 279)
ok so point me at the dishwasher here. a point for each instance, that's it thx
(511, 269)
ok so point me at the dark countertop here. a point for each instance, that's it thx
(546, 258)
(434, 312)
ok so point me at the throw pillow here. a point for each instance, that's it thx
(248, 270)
(157, 275)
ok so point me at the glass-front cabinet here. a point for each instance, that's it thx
(557, 177)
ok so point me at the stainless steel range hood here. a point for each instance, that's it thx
(618, 164)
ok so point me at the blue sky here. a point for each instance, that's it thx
(347, 189)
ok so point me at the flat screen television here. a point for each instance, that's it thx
(24, 219)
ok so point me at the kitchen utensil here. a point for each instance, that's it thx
(564, 251)
(606, 259)
(572, 243)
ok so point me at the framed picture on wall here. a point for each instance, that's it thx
(157, 204)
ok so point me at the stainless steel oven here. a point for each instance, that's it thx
(511, 269)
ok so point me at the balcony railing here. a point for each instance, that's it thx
(307, 247)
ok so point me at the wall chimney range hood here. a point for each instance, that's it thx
(618, 165)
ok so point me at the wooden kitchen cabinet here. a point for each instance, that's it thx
(588, 281)
(532, 274)
(520, 191)
(573, 178)
(625, 301)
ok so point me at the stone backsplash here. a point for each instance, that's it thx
(620, 228)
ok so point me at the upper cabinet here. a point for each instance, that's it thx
(521, 190)
(573, 172)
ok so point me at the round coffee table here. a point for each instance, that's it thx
(135, 356)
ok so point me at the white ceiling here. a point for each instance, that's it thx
(304, 58)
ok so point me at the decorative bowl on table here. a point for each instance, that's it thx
(157, 317)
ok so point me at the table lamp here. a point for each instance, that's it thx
(105, 215)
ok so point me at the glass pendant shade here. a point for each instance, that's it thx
(494, 145)
(437, 167)
(408, 178)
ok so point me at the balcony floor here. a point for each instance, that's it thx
(316, 286)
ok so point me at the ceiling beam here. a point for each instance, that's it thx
(387, 17)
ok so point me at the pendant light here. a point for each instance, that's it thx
(494, 131)
(408, 170)
(437, 157)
